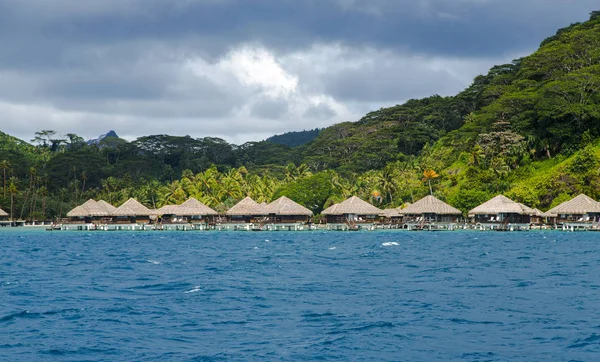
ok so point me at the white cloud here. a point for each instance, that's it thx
(249, 93)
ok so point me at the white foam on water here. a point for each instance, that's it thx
(267, 240)
(332, 248)
(389, 243)
(256, 248)
(154, 262)
(196, 289)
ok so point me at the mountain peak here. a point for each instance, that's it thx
(109, 134)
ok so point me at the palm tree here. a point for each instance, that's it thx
(32, 173)
(4, 165)
(83, 179)
(290, 172)
(303, 171)
(43, 192)
(75, 182)
(476, 156)
(12, 190)
(429, 175)
(387, 182)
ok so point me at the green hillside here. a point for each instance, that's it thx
(529, 129)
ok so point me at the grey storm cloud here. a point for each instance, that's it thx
(270, 108)
(246, 69)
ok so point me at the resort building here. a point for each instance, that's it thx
(582, 208)
(132, 212)
(501, 210)
(390, 216)
(106, 206)
(78, 215)
(246, 211)
(3, 215)
(285, 210)
(172, 214)
(91, 212)
(192, 211)
(199, 212)
(430, 210)
(352, 210)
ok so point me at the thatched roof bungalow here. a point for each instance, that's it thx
(352, 209)
(3, 214)
(173, 214)
(198, 209)
(90, 211)
(580, 208)
(501, 209)
(431, 209)
(391, 216)
(190, 211)
(106, 206)
(95, 209)
(79, 215)
(246, 211)
(133, 212)
(285, 210)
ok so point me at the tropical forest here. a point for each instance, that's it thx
(529, 129)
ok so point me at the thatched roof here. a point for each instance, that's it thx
(286, 206)
(198, 208)
(390, 213)
(430, 205)
(108, 207)
(353, 205)
(246, 207)
(331, 210)
(501, 205)
(548, 214)
(537, 212)
(173, 210)
(580, 205)
(94, 209)
(3, 213)
(78, 211)
(132, 207)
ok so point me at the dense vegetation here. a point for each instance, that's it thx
(529, 129)
(295, 138)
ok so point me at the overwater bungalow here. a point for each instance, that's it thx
(106, 206)
(77, 215)
(89, 212)
(246, 211)
(539, 217)
(132, 212)
(501, 210)
(285, 210)
(198, 212)
(390, 217)
(351, 211)
(173, 214)
(430, 210)
(581, 208)
(3, 215)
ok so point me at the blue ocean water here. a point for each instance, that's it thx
(380, 296)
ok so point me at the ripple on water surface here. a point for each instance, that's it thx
(472, 296)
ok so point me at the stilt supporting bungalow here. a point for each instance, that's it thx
(430, 213)
(581, 212)
(501, 213)
(352, 214)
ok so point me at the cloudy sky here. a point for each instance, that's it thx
(247, 69)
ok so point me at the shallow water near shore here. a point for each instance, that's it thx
(383, 295)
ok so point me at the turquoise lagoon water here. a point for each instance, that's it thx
(380, 296)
